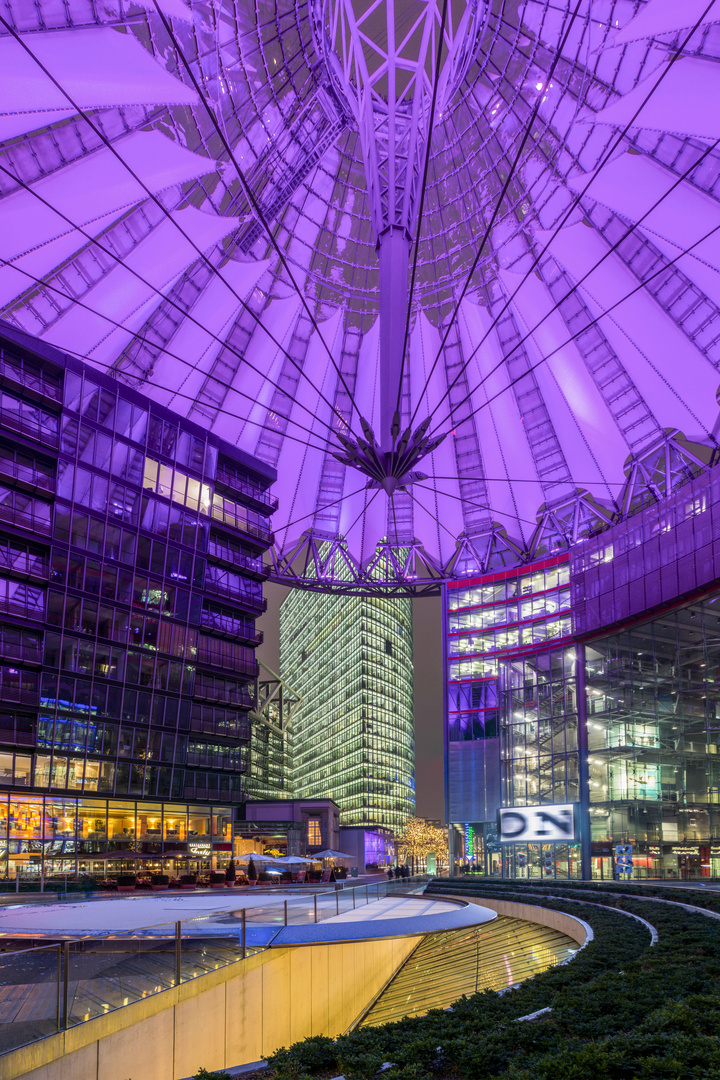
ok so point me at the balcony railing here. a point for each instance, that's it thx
(25, 520)
(13, 737)
(246, 562)
(19, 693)
(226, 517)
(34, 428)
(215, 761)
(239, 730)
(238, 628)
(13, 650)
(213, 690)
(32, 477)
(243, 487)
(23, 608)
(235, 666)
(24, 563)
(219, 588)
(15, 371)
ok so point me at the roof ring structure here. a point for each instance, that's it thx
(452, 267)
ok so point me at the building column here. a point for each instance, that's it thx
(446, 732)
(393, 249)
(583, 769)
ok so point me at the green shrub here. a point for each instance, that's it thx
(310, 1056)
(619, 1011)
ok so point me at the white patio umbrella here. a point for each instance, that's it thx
(256, 858)
(330, 854)
(293, 860)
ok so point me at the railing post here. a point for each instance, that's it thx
(286, 913)
(315, 905)
(353, 892)
(59, 964)
(337, 901)
(244, 933)
(66, 983)
(178, 953)
(367, 894)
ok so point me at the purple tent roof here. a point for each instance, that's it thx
(198, 203)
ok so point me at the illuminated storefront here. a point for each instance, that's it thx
(56, 836)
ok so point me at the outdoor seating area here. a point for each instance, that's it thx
(215, 880)
(265, 871)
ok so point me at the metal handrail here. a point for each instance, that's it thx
(17, 372)
(236, 483)
(23, 952)
(174, 937)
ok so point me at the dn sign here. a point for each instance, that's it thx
(542, 823)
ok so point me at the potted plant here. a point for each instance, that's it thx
(159, 882)
(230, 874)
(126, 882)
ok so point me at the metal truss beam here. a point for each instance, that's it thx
(325, 564)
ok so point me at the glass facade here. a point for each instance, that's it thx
(582, 683)
(128, 597)
(511, 701)
(490, 618)
(350, 658)
(653, 717)
(269, 756)
(58, 834)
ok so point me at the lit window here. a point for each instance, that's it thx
(314, 832)
(176, 485)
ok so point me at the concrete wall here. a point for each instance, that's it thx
(557, 920)
(236, 1015)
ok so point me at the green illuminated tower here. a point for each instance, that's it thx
(350, 659)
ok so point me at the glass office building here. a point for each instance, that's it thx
(511, 709)
(592, 680)
(350, 659)
(131, 544)
(269, 755)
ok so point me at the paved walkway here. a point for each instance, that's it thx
(123, 913)
(132, 914)
(394, 907)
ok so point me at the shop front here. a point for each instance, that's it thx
(535, 861)
(50, 837)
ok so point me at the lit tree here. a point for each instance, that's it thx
(418, 838)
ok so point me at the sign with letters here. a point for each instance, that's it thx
(518, 824)
(200, 849)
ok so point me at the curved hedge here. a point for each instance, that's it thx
(620, 1009)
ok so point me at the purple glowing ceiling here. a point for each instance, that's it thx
(453, 268)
